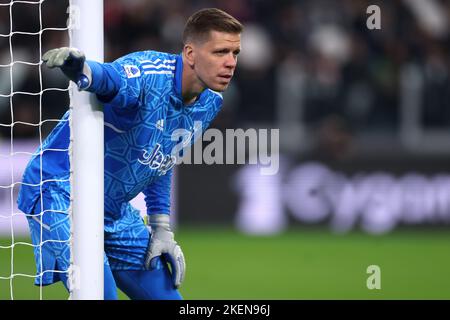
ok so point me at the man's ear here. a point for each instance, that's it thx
(189, 54)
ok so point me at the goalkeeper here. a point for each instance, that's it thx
(146, 96)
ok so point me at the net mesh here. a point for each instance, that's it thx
(32, 101)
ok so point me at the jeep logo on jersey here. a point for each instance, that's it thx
(156, 160)
(132, 71)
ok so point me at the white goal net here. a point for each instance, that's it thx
(32, 102)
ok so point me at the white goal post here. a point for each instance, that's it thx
(86, 274)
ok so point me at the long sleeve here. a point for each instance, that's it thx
(105, 80)
(119, 83)
(157, 195)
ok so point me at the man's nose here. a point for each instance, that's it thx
(231, 61)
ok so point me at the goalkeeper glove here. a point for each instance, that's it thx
(162, 243)
(72, 63)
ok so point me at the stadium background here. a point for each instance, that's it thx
(352, 105)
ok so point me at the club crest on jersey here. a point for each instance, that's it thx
(132, 71)
(156, 160)
(160, 124)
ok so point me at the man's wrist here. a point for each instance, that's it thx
(91, 70)
(158, 219)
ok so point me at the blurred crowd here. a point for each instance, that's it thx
(304, 63)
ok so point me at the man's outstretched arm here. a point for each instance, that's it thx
(91, 76)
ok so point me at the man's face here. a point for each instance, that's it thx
(216, 58)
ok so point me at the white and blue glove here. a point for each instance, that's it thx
(72, 63)
(162, 243)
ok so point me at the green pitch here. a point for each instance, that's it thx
(300, 264)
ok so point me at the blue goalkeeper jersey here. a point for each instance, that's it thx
(145, 121)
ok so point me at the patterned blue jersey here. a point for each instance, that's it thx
(140, 120)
